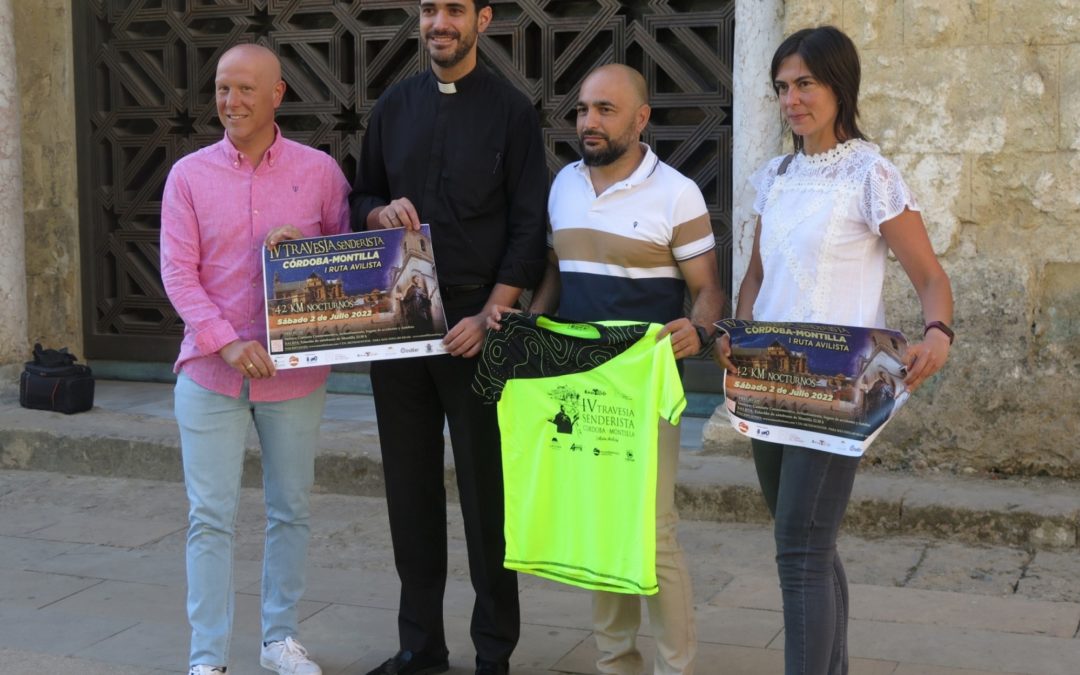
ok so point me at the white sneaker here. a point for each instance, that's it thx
(288, 657)
(206, 670)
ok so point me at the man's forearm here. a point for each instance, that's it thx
(546, 298)
(502, 295)
(708, 308)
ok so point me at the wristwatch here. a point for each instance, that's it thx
(943, 327)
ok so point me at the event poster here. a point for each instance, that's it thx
(353, 297)
(817, 386)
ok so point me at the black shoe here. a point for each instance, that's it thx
(491, 668)
(411, 663)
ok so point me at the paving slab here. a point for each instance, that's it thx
(556, 605)
(88, 528)
(1051, 575)
(963, 648)
(49, 631)
(368, 635)
(24, 553)
(143, 602)
(738, 626)
(18, 662)
(716, 658)
(542, 646)
(124, 564)
(163, 605)
(162, 646)
(369, 588)
(1009, 614)
(143, 499)
(20, 521)
(751, 591)
(882, 561)
(38, 590)
(983, 569)
(915, 669)
(735, 546)
(582, 658)
(374, 634)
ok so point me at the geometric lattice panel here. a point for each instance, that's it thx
(145, 73)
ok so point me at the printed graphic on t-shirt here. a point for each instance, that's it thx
(594, 421)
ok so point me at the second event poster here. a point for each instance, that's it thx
(818, 386)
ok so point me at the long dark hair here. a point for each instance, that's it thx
(833, 60)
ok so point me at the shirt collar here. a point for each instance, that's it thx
(461, 85)
(272, 154)
(648, 165)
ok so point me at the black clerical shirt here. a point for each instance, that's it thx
(472, 163)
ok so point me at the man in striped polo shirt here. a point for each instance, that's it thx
(629, 236)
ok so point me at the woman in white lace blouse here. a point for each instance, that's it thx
(827, 217)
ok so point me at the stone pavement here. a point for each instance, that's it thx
(92, 579)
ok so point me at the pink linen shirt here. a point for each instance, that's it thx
(215, 214)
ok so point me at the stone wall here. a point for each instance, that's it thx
(45, 63)
(12, 268)
(978, 103)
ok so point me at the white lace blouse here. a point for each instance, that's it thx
(821, 246)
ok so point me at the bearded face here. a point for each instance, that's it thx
(599, 149)
(449, 33)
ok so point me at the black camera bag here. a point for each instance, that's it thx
(53, 381)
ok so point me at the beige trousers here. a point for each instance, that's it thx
(617, 616)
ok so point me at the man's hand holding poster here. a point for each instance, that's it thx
(823, 387)
(353, 297)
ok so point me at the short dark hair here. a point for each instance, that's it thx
(833, 60)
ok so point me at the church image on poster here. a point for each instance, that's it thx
(417, 302)
(314, 289)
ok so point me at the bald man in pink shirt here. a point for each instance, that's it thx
(221, 206)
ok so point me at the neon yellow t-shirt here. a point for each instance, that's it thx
(578, 414)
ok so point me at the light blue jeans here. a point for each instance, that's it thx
(213, 428)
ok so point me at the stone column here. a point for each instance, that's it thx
(756, 136)
(756, 127)
(13, 311)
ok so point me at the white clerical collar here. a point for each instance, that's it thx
(446, 87)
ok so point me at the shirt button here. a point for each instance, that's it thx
(256, 211)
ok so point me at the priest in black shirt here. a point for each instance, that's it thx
(459, 148)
